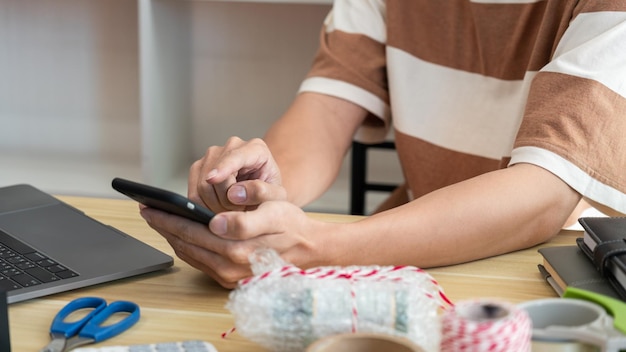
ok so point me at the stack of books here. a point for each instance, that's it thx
(597, 262)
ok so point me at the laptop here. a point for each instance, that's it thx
(48, 246)
(5, 334)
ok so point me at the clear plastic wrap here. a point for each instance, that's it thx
(284, 308)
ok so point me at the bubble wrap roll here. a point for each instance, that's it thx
(286, 309)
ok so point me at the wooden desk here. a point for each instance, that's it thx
(181, 303)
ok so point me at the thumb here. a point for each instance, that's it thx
(255, 192)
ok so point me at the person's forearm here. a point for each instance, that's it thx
(310, 141)
(495, 213)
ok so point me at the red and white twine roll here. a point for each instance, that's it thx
(285, 308)
(482, 325)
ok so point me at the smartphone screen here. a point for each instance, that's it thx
(164, 200)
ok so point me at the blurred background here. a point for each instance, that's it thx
(91, 90)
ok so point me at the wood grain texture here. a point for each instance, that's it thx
(181, 303)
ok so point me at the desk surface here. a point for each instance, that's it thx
(182, 304)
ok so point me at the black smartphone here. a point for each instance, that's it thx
(164, 200)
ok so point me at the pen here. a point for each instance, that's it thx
(546, 275)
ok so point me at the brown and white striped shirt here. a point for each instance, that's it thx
(470, 86)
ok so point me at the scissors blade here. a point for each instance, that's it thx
(57, 344)
(77, 341)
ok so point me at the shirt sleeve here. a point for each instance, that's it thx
(575, 116)
(350, 62)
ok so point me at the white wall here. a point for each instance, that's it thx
(78, 101)
(68, 77)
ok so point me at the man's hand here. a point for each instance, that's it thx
(222, 249)
(237, 176)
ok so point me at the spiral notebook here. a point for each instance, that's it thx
(48, 246)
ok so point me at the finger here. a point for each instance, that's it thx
(273, 217)
(213, 196)
(226, 273)
(193, 243)
(187, 232)
(213, 193)
(253, 230)
(198, 191)
(220, 194)
(255, 192)
(251, 160)
(197, 188)
(193, 181)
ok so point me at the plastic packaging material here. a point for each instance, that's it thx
(284, 308)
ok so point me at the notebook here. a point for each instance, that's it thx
(48, 246)
(605, 246)
(568, 266)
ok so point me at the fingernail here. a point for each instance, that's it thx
(237, 194)
(211, 174)
(218, 225)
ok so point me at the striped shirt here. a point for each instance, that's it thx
(470, 86)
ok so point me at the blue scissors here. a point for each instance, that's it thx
(68, 335)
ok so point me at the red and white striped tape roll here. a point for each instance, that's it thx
(482, 325)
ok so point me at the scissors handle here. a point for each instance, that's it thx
(69, 329)
(93, 329)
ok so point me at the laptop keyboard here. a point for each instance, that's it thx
(22, 266)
